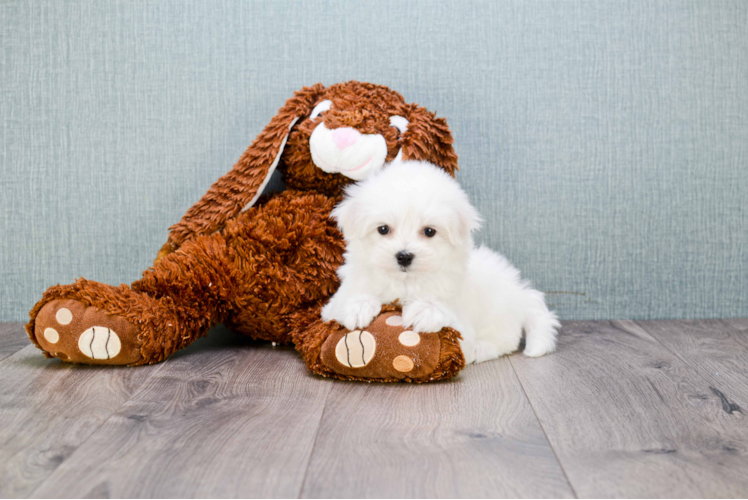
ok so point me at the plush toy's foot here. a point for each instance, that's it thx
(93, 323)
(74, 332)
(384, 351)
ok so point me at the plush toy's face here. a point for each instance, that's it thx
(352, 129)
(344, 149)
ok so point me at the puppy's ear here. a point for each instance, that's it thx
(466, 221)
(349, 217)
(241, 187)
(428, 138)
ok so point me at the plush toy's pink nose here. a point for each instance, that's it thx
(345, 137)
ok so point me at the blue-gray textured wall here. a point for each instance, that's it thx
(606, 143)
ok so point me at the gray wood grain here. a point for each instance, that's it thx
(475, 436)
(627, 418)
(13, 338)
(236, 420)
(716, 350)
(629, 409)
(740, 324)
(48, 409)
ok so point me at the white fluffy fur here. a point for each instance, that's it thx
(449, 283)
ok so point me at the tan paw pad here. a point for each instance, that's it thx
(409, 338)
(64, 316)
(403, 364)
(51, 335)
(395, 320)
(99, 342)
(355, 349)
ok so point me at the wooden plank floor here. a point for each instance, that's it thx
(623, 409)
(12, 338)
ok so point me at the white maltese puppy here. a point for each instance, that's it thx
(409, 234)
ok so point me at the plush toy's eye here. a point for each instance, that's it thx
(383, 230)
(400, 123)
(429, 232)
(319, 109)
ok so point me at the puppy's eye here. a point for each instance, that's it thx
(320, 108)
(400, 123)
(383, 230)
(429, 232)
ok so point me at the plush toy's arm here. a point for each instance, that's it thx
(241, 187)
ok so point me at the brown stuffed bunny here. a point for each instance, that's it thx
(265, 265)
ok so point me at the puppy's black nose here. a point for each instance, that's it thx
(404, 258)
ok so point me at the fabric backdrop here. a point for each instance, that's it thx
(605, 143)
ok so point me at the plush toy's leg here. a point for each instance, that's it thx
(93, 323)
(384, 351)
(254, 274)
(176, 302)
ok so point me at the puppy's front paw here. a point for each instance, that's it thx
(425, 317)
(358, 311)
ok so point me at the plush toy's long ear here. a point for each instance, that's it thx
(240, 188)
(428, 139)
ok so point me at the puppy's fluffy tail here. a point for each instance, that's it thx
(540, 327)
